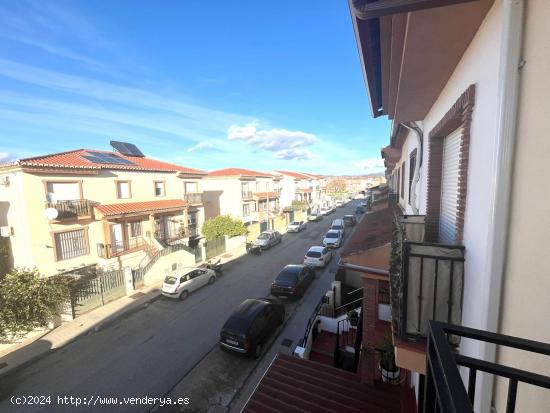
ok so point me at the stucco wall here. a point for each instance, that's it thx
(525, 307)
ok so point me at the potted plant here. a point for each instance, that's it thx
(353, 317)
(389, 370)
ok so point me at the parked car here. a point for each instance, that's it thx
(292, 281)
(182, 283)
(296, 226)
(326, 211)
(359, 210)
(249, 327)
(267, 239)
(339, 203)
(338, 224)
(333, 239)
(318, 257)
(364, 204)
(350, 220)
(314, 216)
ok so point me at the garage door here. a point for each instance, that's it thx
(449, 187)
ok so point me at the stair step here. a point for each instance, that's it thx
(276, 404)
(254, 406)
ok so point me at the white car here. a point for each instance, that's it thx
(296, 226)
(326, 211)
(339, 203)
(333, 239)
(318, 257)
(315, 216)
(182, 283)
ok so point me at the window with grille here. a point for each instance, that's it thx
(70, 244)
(403, 168)
(135, 229)
(412, 165)
(246, 210)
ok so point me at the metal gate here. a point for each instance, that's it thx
(93, 293)
(198, 254)
(215, 247)
(263, 226)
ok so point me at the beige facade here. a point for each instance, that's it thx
(84, 232)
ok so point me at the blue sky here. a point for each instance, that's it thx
(253, 84)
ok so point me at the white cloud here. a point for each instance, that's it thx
(5, 156)
(200, 145)
(286, 144)
(293, 154)
(372, 165)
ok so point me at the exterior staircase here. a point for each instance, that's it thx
(294, 385)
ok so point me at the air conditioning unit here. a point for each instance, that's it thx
(6, 232)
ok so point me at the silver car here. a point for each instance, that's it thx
(181, 283)
(333, 239)
(267, 239)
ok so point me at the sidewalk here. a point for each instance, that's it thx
(39, 345)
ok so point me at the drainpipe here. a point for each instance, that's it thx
(416, 175)
(503, 159)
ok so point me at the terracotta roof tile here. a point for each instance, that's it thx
(296, 175)
(238, 172)
(265, 194)
(75, 160)
(137, 207)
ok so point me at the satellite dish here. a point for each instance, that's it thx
(51, 213)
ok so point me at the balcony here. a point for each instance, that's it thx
(193, 198)
(426, 284)
(446, 391)
(119, 248)
(246, 195)
(72, 209)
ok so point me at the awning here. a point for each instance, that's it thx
(141, 208)
(265, 195)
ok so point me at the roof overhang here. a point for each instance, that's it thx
(409, 49)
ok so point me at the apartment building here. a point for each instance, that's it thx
(241, 193)
(84, 207)
(465, 87)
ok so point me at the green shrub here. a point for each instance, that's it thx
(223, 225)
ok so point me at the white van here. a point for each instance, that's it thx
(339, 225)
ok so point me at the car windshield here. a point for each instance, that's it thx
(295, 223)
(287, 276)
(170, 280)
(313, 254)
(263, 236)
(332, 235)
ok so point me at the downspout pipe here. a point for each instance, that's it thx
(503, 159)
(412, 126)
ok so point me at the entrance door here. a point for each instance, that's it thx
(117, 238)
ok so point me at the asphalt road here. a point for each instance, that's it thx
(149, 351)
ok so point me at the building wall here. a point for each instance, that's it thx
(525, 306)
(479, 66)
(288, 190)
(33, 239)
(223, 196)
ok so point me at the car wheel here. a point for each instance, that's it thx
(211, 280)
(184, 295)
(258, 351)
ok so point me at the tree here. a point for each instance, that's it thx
(299, 205)
(337, 186)
(223, 225)
(4, 256)
(28, 301)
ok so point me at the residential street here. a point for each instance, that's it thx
(148, 352)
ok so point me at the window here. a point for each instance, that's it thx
(403, 167)
(412, 166)
(71, 244)
(160, 188)
(398, 179)
(63, 191)
(135, 229)
(246, 210)
(254, 209)
(192, 219)
(191, 187)
(123, 189)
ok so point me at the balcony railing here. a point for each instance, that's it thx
(246, 195)
(446, 392)
(118, 248)
(193, 198)
(428, 282)
(72, 209)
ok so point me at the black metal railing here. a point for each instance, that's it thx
(246, 194)
(349, 334)
(194, 198)
(445, 391)
(74, 208)
(120, 247)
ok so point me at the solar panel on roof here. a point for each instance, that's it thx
(125, 148)
(107, 158)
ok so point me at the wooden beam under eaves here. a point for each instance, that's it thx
(366, 11)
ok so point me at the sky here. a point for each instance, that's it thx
(206, 84)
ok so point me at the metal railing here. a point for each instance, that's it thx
(120, 247)
(73, 208)
(246, 194)
(445, 391)
(348, 335)
(194, 198)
